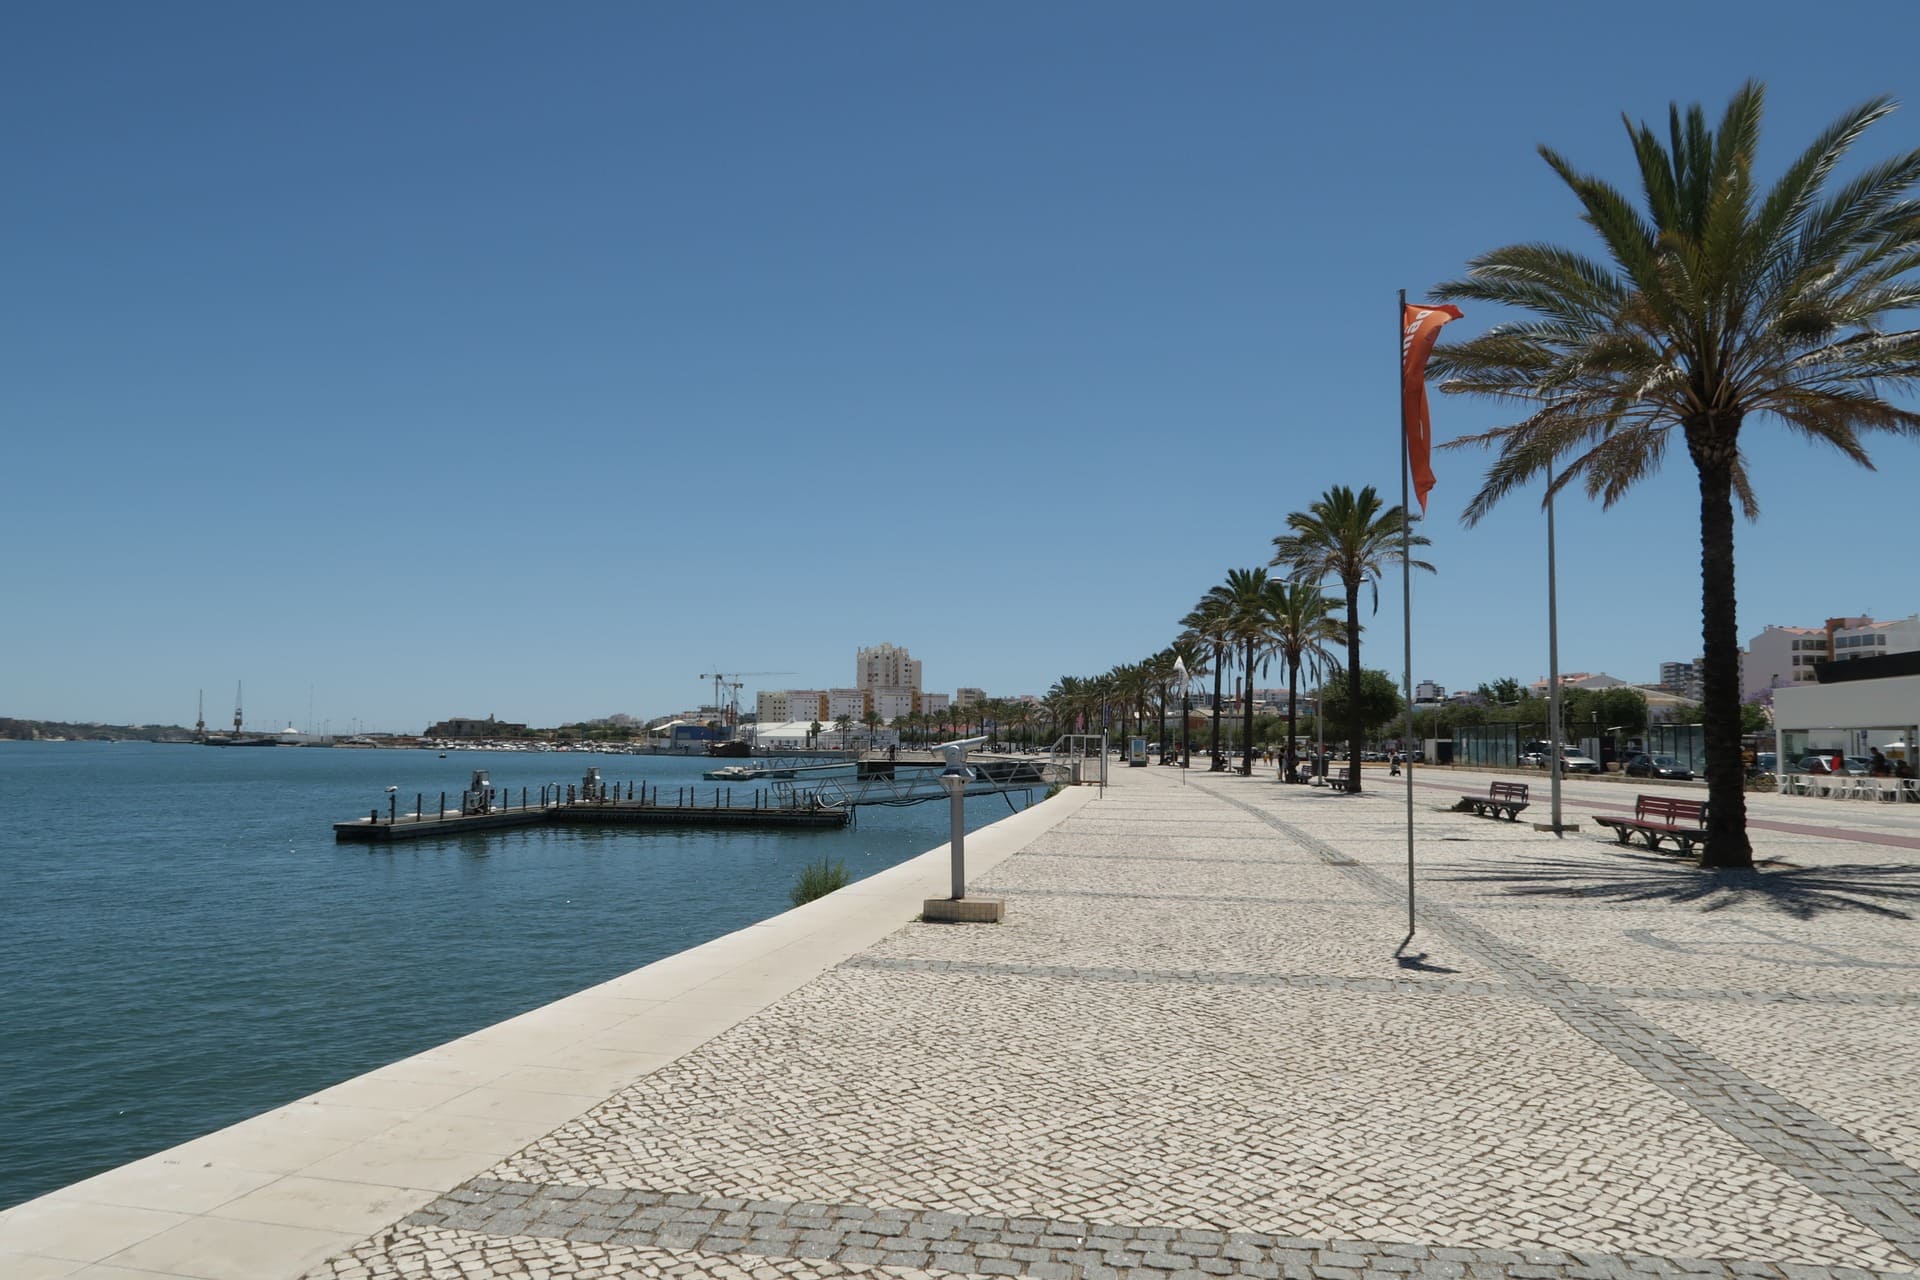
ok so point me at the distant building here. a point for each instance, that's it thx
(1865, 638)
(934, 704)
(488, 728)
(886, 667)
(1682, 679)
(778, 706)
(968, 697)
(847, 702)
(1428, 691)
(1782, 656)
(1579, 680)
(892, 703)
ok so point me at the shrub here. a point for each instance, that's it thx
(817, 880)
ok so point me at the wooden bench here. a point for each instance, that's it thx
(1502, 797)
(1657, 818)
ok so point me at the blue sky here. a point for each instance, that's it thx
(455, 359)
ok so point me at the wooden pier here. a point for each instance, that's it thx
(682, 807)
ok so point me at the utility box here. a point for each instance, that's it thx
(478, 797)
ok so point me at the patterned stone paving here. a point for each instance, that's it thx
(1193, 1051)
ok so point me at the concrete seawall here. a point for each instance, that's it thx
(277, 1194)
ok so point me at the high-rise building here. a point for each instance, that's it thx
(886, 667)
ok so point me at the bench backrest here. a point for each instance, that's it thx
(1507, 791)
(1669, 810)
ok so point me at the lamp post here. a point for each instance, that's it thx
(1186, 739)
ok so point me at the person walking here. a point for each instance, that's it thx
(1393, 759)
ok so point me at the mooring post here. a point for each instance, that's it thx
(373, 816)
(419, 807)
(443, 804)
(393, 807)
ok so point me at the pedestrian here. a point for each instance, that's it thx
(1879, 766)
(1393, 759)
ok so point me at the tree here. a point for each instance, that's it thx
(1504, 690)
(1209, 620)
(1716, 305)
(1347, 535)
(1303, 626)
(1378, 703)
(1192, 650)
(843, 725)
(1246, 601)
(813, 734)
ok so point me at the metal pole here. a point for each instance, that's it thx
(1553, 665)
(957, 837)
(1406, 599)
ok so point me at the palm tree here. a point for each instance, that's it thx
(1718, 304)
(1303, 626)
(1209, 620)
(1192, 650)
(1346, 535)
(1245, 599)
(1160, 671)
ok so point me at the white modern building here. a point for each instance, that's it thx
(1428, 691)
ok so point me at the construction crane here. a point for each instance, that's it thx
(732, 680)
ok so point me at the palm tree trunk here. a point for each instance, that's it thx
(1353, 684)
(1246, 733)
(1293, 700)
(1219, 672)
(1727, 843)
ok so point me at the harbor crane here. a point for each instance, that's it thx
(731, 680)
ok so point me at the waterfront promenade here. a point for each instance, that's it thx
(1196, 1048)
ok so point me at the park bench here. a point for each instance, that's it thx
(1507, 798)
(1657, 818)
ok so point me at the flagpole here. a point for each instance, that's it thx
(1406, 596)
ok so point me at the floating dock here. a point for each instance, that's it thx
(593, 803)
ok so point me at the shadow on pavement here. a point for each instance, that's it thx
(1801, 892)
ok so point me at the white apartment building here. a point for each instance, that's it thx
(934, 703)
(891, 704)
(1780, 657)
(846, 702)
(1865, 638)
(1428, 691)
(886, 667)
(781, 706)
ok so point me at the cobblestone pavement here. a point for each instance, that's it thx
(1198, 1048)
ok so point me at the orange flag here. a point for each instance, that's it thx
(1419, 327)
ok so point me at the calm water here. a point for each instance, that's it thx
(183, 945)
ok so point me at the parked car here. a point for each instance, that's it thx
(1533, 759)
(1642, 765)
(1574, 762)
(1765, 761)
